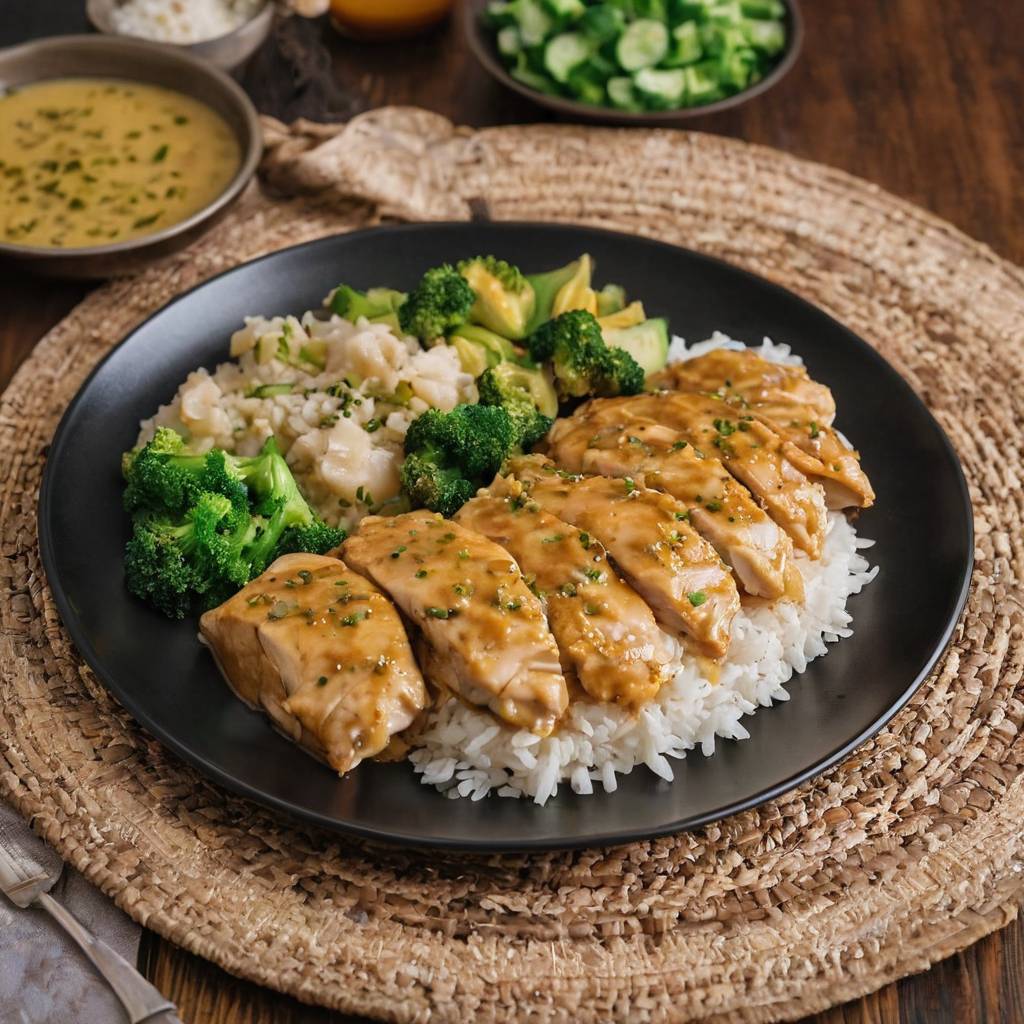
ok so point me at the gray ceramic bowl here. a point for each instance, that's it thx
(482, 42)
(137, 61)
(228, 52)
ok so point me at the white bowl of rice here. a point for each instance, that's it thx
(224, 32)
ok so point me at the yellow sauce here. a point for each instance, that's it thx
(87, 162)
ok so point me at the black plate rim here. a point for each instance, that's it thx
(397, 837)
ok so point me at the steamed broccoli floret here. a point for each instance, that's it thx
(510, 390)
(449, 455)
(352, 304)
(442, 300)
(315, 538)
(428, 484)
(173, 562)
(620, 373)
(582, 363)
(504, 298)
(204, 525)
(164, 475)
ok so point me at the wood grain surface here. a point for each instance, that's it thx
(922, 97)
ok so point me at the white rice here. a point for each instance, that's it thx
(464, 754)
(182, 21)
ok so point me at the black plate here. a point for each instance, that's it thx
(922, 523)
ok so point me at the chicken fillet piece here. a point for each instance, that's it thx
(749, 450)
(797, 408)
(485, 633)
(720, 510)
(776, 387)
(650, 540)
(324, 653)
(606, 633)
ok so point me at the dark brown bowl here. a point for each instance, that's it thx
(154, 64)
(482, 43)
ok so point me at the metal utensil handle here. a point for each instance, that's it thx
(138, 996)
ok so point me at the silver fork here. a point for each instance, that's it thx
(26, 883)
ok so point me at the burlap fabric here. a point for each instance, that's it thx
(907, 852)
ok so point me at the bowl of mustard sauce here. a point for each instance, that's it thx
(115, 152)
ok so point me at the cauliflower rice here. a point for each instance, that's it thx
(344, 444)
(341, 423)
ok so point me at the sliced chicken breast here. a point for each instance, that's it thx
(484, 631)
(650, 540)
(776, 387)
(760, 554)
(748, 449)
(797, 408)
(606, 633)
(324, 653)
(825, 458)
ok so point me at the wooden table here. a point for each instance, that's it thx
(920, 96)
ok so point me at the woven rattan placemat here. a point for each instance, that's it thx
(907, 852)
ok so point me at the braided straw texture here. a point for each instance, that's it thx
(905, 853)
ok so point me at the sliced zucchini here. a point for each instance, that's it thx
(386, 298)
(602, 67)
(587, 87)
(770, 10)
(722, 40)
(735, 68)
(661, 90)
(622, 95)
(647, 343)
(612, 297)
(565, 53)
(656, 9)
(689, 10)
(499, 13)
(767, 36)
(628, 8)
(545, 287)
(642, 45)
(564, 11)
(270, 390)
(314, 352)
(729, 13)
(510, 41)
(686, 46)
(536, 381)
(473, 358)
(576, 293)
(522, 72)
(497, 347)
(628, 316)
(535, 24)
(391, 319)
(603, 23)
(702, 84)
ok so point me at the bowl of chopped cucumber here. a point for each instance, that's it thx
(636, 61)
